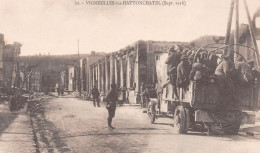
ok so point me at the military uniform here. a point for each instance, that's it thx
(245, 73)
(172, 62)
(183, 71)
(95, 94)
(224, 80)
(200, 73)
(111, 100)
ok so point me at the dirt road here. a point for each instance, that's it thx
(15, 131)
(76, 126)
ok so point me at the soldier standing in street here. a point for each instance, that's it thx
(111, 100)
(143, 94)
(95, 94)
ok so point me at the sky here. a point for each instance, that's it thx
(54, 26)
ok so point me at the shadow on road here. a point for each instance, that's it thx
(113, 133)
(168, 124)
(6, 118)
(238, 137)
(140, 129)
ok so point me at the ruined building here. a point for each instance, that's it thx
(9, 64)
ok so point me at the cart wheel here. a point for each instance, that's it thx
(231, 128)
(179, 120)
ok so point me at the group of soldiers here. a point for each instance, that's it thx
(187, 65)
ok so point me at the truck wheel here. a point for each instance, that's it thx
(187, 117)
(231, 128)
(179, 120)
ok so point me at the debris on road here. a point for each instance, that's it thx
(46, 135)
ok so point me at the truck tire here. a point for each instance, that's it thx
(179, 120)
(187, 117)
(231, 128)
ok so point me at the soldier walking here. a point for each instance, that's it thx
(111, 100)
(95, 94)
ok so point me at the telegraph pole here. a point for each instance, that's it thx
(229, 26)
(236, 31)
(252, 33)
(79, 76)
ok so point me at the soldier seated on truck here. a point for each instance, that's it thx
(172, 62)
(255, 71)
(245, 76)
(224, 80)
(200, 73)
(183, 71)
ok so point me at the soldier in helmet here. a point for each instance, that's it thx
(183, 71)
(224, 80)
(111, 100)
(172, 62)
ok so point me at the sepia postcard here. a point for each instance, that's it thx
(129, 76)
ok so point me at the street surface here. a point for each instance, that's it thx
(83, 128)
(68, 124)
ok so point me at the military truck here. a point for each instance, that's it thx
(201, 105)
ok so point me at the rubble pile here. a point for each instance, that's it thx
(46, 135)
(35, 101)
(3, 97)
(74, 94)
(40, 97)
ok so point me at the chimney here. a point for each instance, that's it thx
(2, 43)
(93, 52)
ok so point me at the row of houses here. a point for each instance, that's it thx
(76, 76)
(13, 73)
(127, 68)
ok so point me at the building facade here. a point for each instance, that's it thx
(128, 68)
(71, 80)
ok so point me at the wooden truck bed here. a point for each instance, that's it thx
(207, 97)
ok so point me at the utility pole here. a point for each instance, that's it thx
(229, 26)
(252, 33)
(79, 76)
(236, 32)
